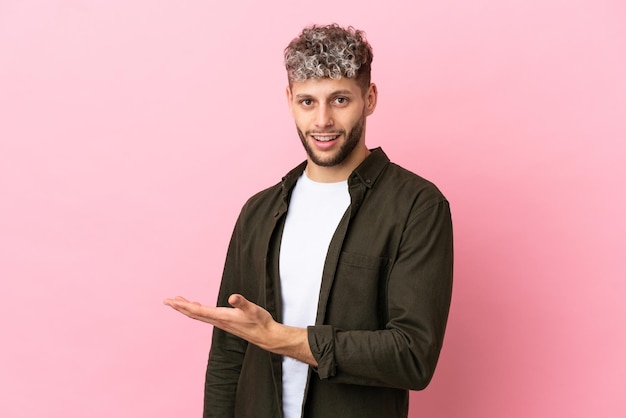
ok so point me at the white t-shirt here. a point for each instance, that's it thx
(314, 212)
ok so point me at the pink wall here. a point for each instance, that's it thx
(132, 132)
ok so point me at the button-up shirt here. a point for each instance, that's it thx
(383, 303)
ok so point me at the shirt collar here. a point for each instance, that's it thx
(369, 170)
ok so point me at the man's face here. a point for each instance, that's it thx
(330, 117)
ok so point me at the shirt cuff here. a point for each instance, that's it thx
(322, 344)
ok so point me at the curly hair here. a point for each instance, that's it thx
(329, 52)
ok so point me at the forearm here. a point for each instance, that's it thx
(288, 341)
(386, 358)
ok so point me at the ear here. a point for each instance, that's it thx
(371, 98)
(289, 98)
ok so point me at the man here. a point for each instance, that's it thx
(337, 282)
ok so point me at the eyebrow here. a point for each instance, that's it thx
(334, 93)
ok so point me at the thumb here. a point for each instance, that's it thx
(237, 301)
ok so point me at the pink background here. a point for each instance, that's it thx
(131, 132)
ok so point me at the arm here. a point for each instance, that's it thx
(251, 323)
(405, 352)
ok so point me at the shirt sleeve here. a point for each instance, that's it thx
(403, 354)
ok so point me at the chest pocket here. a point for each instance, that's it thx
(358, 296)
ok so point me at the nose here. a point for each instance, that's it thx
(323, 117)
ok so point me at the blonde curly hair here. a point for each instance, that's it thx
(329, 52)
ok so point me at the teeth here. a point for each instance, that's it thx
(325, 138)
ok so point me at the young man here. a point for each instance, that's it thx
(337, 281)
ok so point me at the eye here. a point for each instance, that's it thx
(341, 100)
(306, 102)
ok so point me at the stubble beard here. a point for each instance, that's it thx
(352, 140)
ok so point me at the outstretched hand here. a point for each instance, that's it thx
(245, 319)
(252, 323)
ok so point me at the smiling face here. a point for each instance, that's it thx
(330, 119)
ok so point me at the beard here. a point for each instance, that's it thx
(352, 140)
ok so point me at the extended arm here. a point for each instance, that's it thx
(252, 323)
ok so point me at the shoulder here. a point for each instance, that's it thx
(409, 186)
(394, 183)
(265, 199)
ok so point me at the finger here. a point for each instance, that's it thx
(183, 306)
(237, 301)
(170, 301)
(194, 310)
